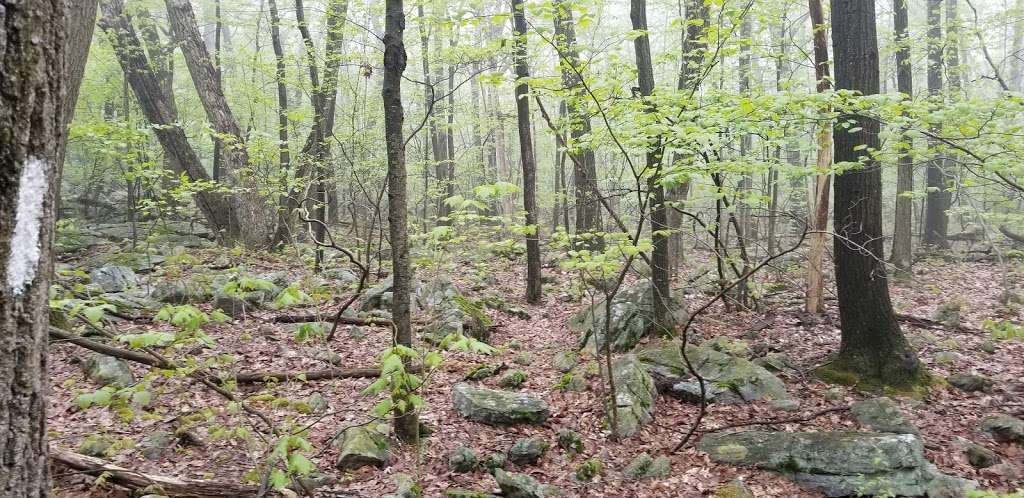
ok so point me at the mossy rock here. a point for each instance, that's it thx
(588, 470)
(512, 379)
(495, 407)
(882, 415)
(634, 396)
(363, 446)
(570, 441)
(462, 460)
(464, 493)
(645, 467)
(527, 450)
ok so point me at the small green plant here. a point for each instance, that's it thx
(291, 296)
(1004, 329)
(289, 460)
(398, 381)
(307, 331)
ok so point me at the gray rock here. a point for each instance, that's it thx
(1004, 428)
(108, 371)
(775, 362)
(512, 379)
(405, 487)
(378, 296)
(645, 467)
(495, 461)
(436, 291)
(328, 356)
(728, 345)
(836, 463)
(947, 357)
(181, 292)
(156, 443)
(979, 456)
(565, 361)
(634, 396)
(734, 489)
(527, 450)
(495, 407)
(786, 405)
(95, 446)
(632, 318)
(130, 300)
(462, 460)
(362, 446)
(114, 278)
(882, 415)
(317, 403)
(969, 382)
(728, 378)
(515, 485)
(481, 372)
(570, 441)
(232, 306)
(312, 482)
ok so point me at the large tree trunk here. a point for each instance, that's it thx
(872, 346)
(32, 132)
(406, 424)
(746, 231)
(659, 224)
(588, 207)
(936, 222)
(818, 218)
(902, 257)
(258, 228)
(218, 209)
(526, 156)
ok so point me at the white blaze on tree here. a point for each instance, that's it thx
(24, 258)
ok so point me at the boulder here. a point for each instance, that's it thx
(231, 305)
(114, 278)
(512, 379)
(570, 441)
(734, 489)
(462, 460)
(969, 382)
(728, 345)
(527, 450)
(108, 371)
(565, 361)
(835, 463)
(378, 296)
(1004, 428)
(130, 300)
(495, 407)
(632, 318)
(156, 443)
(882, 415)
(645, 467)
(727, 378)
(979, 456)
(464, 493)
(515, 485)
(634, 396)
(181, 292)
(362, 446)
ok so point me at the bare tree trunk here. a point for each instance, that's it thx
(818, 219)
(533, 283)
(280, 76)
(218, 209)
(406, 423)
(1017, 59)
(588, 207)
(33, 75)
(936, 222)
(902, 250)
(872, 345)
(745, 231)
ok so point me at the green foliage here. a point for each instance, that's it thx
(290, 459)
(1004, 329)
(401, 384)
(307, 331)
(291, 296)
(462, 342)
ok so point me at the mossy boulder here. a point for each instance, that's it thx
(515, 485)
(970, 382)
(464, 493)
(634, 396)
(462, 460)
(114, 278)
(527, 450)
(108, 371)
(1004, 428)
(727, 378)
(184, 291)
(362, 446)
(588, 469)
(645, 467)
(882, 415)
(570, 441)
(494, 407)
(733, 489)
(512, 379)
(632, 318)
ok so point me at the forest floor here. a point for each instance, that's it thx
(943, 415)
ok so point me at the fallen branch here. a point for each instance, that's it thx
(101, 348)
(330, 373)
(927, 323)
(791, 420)
(1010, 234)
(344, 320)
(170, 486)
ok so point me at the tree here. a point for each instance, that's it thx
(406, 423)
(533, 283)
(659, 223)
(818, 219)
(588, 207)
(936, 222)
(872, 347)
(42, 56)
(901, 256)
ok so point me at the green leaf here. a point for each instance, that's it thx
(300, 465)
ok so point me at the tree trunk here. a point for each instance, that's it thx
(902, 257)
(533, 283)
(280, 76)
(818, 217)
(872, 346)
(659, 224)
(32, 130)
(406, 424)
(218, 209)
(745, 232)
(936, 222)
(588, 207)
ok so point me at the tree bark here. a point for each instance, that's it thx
(872, 345)
(659, 224)
(218, 209)
(902, 257)
(406, 423)
(526, 156)
(936, 222)
(818, 218)
(33, 75)
(588, 207)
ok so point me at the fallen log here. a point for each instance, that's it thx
(1010, 234)
(101, 348)
(169, 486)
(343, 320)
(328, 373)
(927, 323)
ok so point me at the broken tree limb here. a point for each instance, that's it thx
(170, 486)
(101, 348)
(344, 320)
(1010, 234)
(329, 373)
(927, 323)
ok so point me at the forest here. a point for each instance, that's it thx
(517, 248)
